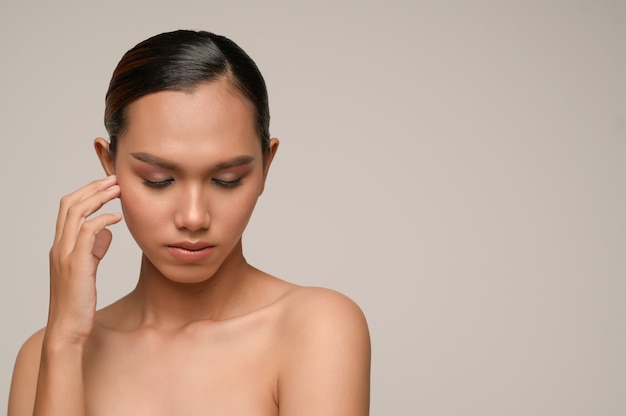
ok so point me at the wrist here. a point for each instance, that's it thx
(56, 340)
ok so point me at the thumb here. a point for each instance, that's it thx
(102, 243)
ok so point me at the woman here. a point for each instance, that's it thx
(203, 332)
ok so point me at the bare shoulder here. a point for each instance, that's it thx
(25, 373)
(325, 350)
(314, 306)
(317, 319)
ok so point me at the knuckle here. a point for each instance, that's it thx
(65, 201)
(55, 251)
(73, 210)
(88, 227)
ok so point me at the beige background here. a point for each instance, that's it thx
(455, 167)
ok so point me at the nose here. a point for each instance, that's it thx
(192, 212)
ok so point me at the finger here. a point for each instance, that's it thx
(69, 200)
(77, 214)
(94, 238)
(102, 243)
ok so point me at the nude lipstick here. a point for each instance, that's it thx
(191, 252)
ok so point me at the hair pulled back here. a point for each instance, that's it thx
(180, 61)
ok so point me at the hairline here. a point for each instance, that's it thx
(230, 81)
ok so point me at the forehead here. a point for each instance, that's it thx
(213, 118)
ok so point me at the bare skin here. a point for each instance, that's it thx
(203, 332)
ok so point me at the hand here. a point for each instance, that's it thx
(80, 243)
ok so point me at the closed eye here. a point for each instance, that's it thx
(227, 184)
(159, 184)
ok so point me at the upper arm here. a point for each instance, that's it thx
(326, 359)
(25, 374)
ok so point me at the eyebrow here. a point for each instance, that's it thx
(166, 164)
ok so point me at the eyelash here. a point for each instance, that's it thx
(168, 182)
(227, 184)
(158, 185)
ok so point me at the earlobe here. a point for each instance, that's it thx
(104, 155)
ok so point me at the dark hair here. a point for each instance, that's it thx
(180, 61)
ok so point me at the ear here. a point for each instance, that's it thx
(267, 160)
(106, 158)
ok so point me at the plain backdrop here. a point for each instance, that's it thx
(456, 167)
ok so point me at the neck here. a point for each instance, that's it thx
(162, 302)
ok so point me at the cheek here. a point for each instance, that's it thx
(234, 211)
(131, 204)
(128, 195)
(132, 214)
(140, 211)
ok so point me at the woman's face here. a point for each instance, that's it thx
(190, 168)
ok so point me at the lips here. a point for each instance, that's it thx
(192, 246)
(187, 251)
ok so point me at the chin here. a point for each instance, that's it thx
(179, 273)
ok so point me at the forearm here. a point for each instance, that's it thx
(60, 388)
(80, 242)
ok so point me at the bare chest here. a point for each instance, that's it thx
(206, 371)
